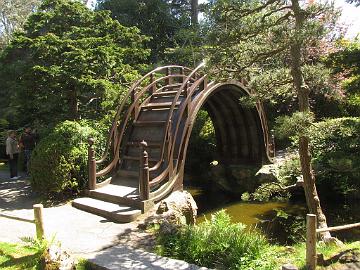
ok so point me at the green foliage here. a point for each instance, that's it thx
(289, 170)
(59, 162)
(295, 125)
(202, 146)
(335, 148)
(173, 39)
(218, 243)
(69, 63)
(17, 257)
(345, 64)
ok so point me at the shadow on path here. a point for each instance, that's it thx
(15, 194)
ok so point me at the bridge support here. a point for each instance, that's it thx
(92, 164)
(144, 188)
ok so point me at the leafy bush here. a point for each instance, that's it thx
(217, 243)
(59, 161)
(335, 149)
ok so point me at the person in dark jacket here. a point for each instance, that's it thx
(27, 142)
(12, 151)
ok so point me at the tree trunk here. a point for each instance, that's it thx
(73, 104)
(194, 12)
(312, 198)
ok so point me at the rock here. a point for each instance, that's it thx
(266, 174)
(350, 257)
(179, 208)
(289, 266)
(57, 259)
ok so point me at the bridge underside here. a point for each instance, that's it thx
(238, 130)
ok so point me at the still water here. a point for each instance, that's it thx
(276, 219)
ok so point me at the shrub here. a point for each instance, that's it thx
(335, 149)
(59, 161)
(217, 243)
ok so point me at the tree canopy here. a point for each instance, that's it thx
(12, 17)
(277, 45)
(69, 63)
(169, 23)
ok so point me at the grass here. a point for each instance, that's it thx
(296, 253)
(20, 257)
(3, 166)
(16, 257)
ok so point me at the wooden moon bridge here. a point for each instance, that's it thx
(146, 149)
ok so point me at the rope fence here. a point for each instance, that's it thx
(38, 219)
(311, 231)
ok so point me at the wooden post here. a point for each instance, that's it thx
(168, 73)
(136, 107)
(144, 188)
(91, 164)
(311, 242)
(39, 222)
(152, 88)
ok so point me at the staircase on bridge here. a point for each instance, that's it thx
(144, 158)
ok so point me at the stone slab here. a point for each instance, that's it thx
(120, 257)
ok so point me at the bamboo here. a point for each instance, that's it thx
(310, 242)
(338, 228)
(39, 222)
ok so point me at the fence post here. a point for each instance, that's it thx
(39, 223)
(144, 188)
(311, 242)
(91, 164)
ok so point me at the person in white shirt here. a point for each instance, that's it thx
(12, 150)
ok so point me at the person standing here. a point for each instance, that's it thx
(28, 142)
(12, 150)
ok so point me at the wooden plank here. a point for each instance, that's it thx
(338, 228)
(18, 218)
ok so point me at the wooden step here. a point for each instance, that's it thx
(149, 123)
(149, 144)
(138, 158)
(118, 194)
(160, 105)
(128, 174)
(111, 211)
(167, 93)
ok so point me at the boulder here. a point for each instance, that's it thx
(179, 208)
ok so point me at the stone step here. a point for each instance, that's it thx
(117, 194)
(111, 211)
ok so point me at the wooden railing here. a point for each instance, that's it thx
(311, 231)
(38, 220)
(117, 130)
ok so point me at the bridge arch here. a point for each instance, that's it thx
(149, 137)
(241, 132)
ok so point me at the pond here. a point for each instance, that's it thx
(282, 222)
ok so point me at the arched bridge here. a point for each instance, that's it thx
(146, 148)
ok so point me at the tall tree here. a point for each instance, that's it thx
(69, 63)
(13, 14)
(170, 23)
(276, 44)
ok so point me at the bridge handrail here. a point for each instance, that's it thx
(125, 121)
(185, 104)
(182, 111)
(170, 115)
(123, 103)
